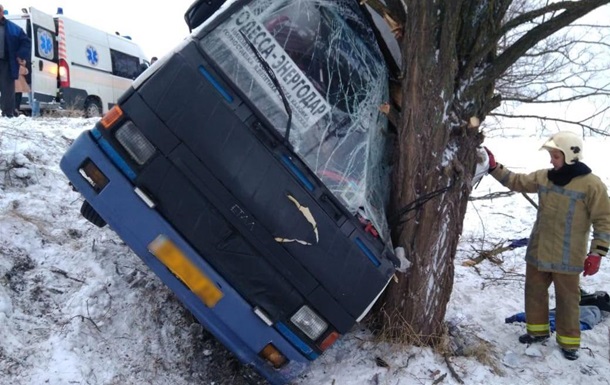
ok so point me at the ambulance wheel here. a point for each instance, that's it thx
(91, 215)
(93, 108)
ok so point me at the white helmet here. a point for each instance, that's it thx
(567, 142)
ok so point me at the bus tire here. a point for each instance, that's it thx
(91, 215)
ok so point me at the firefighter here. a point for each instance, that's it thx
(571, 199)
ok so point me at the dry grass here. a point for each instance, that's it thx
(483, 352)
(64, 113)
(449, 342)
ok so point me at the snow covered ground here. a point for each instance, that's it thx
(78, 307)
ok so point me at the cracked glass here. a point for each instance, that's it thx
(329, 67)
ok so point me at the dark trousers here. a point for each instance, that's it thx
(18, 98)
(7, 90)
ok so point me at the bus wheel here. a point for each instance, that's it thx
(93, 109)
(91, 215)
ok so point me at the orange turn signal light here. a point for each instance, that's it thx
(111, 117)
(93, 175)
(330, 339)
(273, 356)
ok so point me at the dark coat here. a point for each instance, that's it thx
(17, 44)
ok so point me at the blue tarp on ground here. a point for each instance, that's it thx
(589, 317)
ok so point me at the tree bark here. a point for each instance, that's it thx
(449, 53)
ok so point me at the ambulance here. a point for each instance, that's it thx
(74, 66)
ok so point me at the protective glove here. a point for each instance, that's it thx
(492, 159)
(592, 264)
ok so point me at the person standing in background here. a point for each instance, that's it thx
(21, 85)
(14, 45)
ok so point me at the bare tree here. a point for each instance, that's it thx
(454, 54)
(568, 72)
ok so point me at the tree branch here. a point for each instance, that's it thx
(572, 12)
(525, 18)
(533, 15)
(558, 120)
(534, 99)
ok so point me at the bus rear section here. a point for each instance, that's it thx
(259, 201)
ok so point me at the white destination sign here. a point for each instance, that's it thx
(307, 104)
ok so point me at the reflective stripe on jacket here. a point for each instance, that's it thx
(560, 236)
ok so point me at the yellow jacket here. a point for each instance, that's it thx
(560, 236)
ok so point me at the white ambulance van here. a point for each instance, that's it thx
(74, 66)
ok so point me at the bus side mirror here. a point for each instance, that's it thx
(200, 11)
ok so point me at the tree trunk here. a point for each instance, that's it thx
(436, 155)
(450, 66)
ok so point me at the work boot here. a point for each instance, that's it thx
(570, 354)
(529, 339)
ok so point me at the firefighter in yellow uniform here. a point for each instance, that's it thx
(570, 199)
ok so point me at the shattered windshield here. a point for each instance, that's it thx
(331, 72)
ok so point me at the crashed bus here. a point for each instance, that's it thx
(248, 169)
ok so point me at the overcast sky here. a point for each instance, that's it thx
(157, 28)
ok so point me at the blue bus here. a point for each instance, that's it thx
(249, 170)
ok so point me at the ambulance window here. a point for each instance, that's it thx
(124, 65)
(44, 43)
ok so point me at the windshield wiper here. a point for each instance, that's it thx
(276, 83)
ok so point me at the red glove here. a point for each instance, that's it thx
(492, 159)
(592, 264)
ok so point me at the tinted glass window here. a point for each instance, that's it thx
(124, 65)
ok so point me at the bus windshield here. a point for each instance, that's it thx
(329, 67)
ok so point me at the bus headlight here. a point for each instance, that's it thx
(309, 322)
(135, 143)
